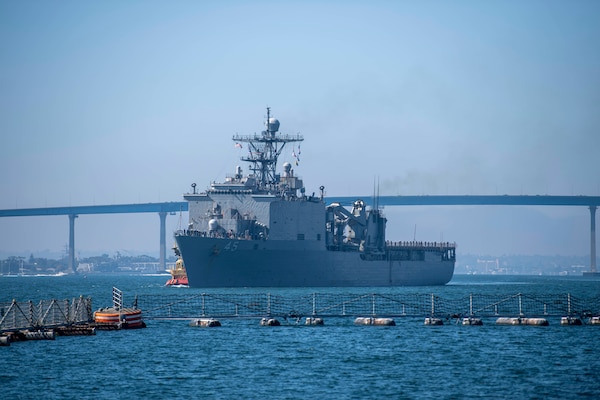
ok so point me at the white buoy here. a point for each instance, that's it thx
(269, 322)
(433, 321)
(314, 321)
(384, 322)
(205, 322)
(522, 321)
(472, 321)
(571, 321)
(374, 321)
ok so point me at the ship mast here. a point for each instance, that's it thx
(263, 151)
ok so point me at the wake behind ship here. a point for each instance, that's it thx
(261, 230)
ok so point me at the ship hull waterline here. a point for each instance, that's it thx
(217, 262)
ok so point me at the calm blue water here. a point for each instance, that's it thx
(169, 359)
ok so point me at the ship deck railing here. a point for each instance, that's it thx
(227, 235)
(418, 244)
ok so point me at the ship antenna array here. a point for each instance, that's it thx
(264, 150)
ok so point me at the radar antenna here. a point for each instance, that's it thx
(263, 151)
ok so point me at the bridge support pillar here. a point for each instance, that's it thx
(72, 265)
(163, 242)
(593, 239)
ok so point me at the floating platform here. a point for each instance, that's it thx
(269, 322)
(75, 330)
(112, 318)
(522, 321)
(40, 335)
(374, 321)
(571, 321)
(205, 322)
(433, 321)
(314, 321)
(472, 321)
(22, 336)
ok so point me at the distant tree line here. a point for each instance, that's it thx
(15, 265)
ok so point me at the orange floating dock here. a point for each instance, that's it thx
(125, 318)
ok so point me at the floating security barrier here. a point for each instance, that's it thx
(314, 321)
(39, 335)
(269, 322)
(374, 321)
(126, 318)
(522, 321)
(433, 321)
(205, 322)
(4, 341)
(17, 336)
(472, 321)
(21, 336)
(75, 330)
(571, 321)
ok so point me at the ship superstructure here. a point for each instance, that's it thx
(261, 229)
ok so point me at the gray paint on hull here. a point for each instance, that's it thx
(231, 263)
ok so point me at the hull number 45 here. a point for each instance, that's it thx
(231, 246)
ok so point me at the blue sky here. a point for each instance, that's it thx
(122, 102)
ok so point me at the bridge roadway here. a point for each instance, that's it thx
(592, 202)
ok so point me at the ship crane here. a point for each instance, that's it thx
(356, 220)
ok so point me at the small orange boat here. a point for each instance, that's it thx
(178, 275)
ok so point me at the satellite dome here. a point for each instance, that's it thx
(287, 166)
(213, 225)
(273, 125)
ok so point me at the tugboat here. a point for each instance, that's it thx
(178, 274)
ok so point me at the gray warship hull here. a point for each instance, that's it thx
(212, 262)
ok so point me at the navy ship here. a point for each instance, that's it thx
(261, 229)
